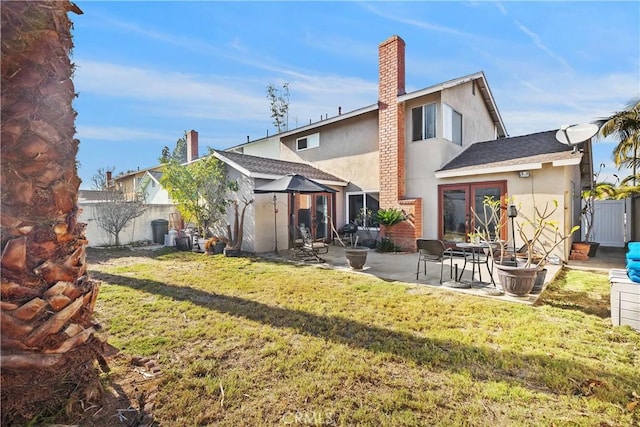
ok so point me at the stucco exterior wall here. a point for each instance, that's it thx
(268, 147)
(156, 195)
(139, 229)
(348, 150)
(540, 189)
(424, 157)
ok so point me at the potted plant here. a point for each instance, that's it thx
(541, 235)
(356, 255)
(215, 245)
(388, 218)
(597, 190)
(365, 220)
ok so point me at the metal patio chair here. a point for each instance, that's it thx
(433, 251)
(310, 248)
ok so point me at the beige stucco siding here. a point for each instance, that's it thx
(477, 124)
(542, 188)
(347, 150)
(423, 158)
(268, 147)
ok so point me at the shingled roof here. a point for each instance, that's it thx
(262, 167)
(541, 147)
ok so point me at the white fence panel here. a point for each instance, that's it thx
(611, 225)
(138, 230)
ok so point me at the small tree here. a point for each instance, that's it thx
(114, 212)
(279, 106)
(200, 189)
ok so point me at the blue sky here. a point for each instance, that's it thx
(148, 71)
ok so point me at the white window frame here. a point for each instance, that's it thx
(313, 141)
(425, 124)
(362, 194)
(448, 113)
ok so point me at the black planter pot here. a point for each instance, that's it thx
(218, 248)
(593, 249)
(232, 252)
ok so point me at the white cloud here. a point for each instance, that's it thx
(537, 41)
(116, 133)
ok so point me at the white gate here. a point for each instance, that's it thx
(611, 222)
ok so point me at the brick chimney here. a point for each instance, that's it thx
(109, 177)
(391, 140)
(192, 145)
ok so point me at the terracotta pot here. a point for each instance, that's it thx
(584, 247)
(356, 257)
(517, 281)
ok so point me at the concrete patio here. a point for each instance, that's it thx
(401, 267)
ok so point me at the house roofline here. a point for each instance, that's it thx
(330, 120)
(484, 89)
(259, 175)
(454, 173)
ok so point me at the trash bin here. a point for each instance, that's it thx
(159, 227)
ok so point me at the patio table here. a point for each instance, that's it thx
(475, 249)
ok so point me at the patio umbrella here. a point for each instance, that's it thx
(291, 184)
(294, 183)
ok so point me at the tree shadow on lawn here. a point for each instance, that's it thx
(557, 295)
(482, 363)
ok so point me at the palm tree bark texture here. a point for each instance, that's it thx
(48, 348)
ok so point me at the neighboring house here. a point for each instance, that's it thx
(433, 153)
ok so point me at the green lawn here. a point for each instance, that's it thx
(249, 342)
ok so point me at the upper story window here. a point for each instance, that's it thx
(307, 142)
(423, 122)
(452, 124)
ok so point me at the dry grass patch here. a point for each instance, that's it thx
(249, 342)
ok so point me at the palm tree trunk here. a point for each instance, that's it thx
(47, 297)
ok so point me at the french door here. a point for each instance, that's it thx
(455, 203)
(313, 212)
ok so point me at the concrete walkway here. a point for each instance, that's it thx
(401, 267)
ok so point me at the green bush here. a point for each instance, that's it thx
(387, 245)
(390, 216)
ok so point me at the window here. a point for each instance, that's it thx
(309, 141)
(451, 124)
(356, 202)
(423, 122)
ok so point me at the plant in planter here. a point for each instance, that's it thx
(209, 244)
(356, 255)
(215, 245)
(366, 221)
(388, 218)
(541, 235)
(597, 190)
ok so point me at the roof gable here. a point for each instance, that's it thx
(262, 167)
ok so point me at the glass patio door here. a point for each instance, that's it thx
(321, 209)
(456, 218)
